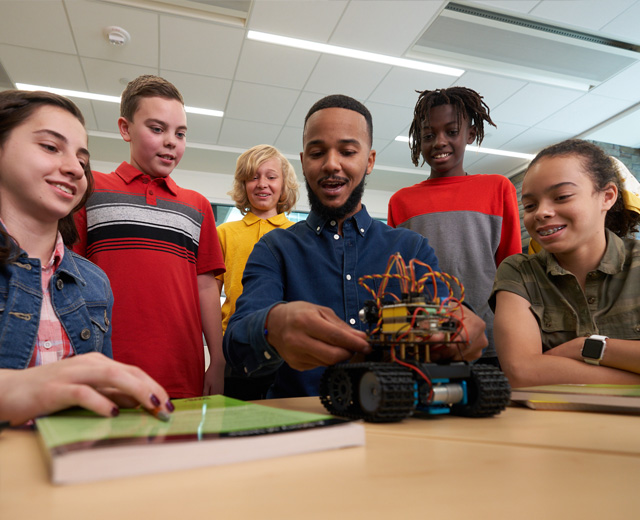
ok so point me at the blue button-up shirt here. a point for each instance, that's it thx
(312, 262)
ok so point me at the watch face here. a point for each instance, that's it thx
(592, 348)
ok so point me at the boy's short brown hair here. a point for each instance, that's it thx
(144, 86)
(246, 167)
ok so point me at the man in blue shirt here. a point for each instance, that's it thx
(298, 311)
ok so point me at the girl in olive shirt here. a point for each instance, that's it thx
(571, 313)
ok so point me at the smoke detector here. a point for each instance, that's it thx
(117, 36)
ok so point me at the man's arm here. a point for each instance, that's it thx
(212, 328)
(265, 330)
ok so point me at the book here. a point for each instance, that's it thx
(593, 398)
(213, 430)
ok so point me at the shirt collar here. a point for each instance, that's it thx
(361, 221)
(57, 254)
(129, 173)
(277, 220)
(612, 262)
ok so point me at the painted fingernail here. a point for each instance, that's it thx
(162, 415)
(154, 400)
(170, 406)
(115, 411)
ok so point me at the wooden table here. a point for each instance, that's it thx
(521, 464)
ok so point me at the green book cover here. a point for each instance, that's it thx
(208, 430)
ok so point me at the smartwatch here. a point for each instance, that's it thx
(593, 349)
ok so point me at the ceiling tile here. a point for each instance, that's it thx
(494, 89)
(199, 47)
(505, 132)
(107, 115)
(257, 61)
(304, 102)
(45, 68)
(203, 129)
(394, 120)
(338, 75)
(307, 20)
(622, 86)
(110, 77)
(200, 91)
(85, 107)
(289, 141)
(262, 103)
(625, 26)
(47, 23)
(535, 139)
(496, 165)
(89, 19)
(518, 6)
(533, 103)
(585, 14)
(372, 26)
(245, 134)
(583, 114)
(394, 153)
(623, 131)
(400, 85)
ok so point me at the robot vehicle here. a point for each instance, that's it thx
(397, 379)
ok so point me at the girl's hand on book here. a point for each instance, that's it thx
(92, 381)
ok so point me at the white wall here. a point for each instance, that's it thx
(214, 186)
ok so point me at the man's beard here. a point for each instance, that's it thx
(339, 213)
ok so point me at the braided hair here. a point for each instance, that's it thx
(466, 102)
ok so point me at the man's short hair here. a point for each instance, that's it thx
(342, 101)
(146, 86)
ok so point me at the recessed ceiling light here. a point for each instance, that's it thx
(108, 99)
(353, 53)
(478, 149)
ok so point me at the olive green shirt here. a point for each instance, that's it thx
(609, 305)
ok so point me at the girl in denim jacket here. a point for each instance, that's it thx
(53, 303)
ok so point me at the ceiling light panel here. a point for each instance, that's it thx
(354, 53)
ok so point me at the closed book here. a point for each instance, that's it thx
(203, 431)
(587, 397)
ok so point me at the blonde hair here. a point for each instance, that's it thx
(246, 167)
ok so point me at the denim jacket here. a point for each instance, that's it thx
(81, 297)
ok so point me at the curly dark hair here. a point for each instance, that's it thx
(16, 106)
(466, 102)
(603, 172)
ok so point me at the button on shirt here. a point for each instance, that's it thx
(312, 262)
(52, 343)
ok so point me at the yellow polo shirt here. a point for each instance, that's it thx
(236, 241)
